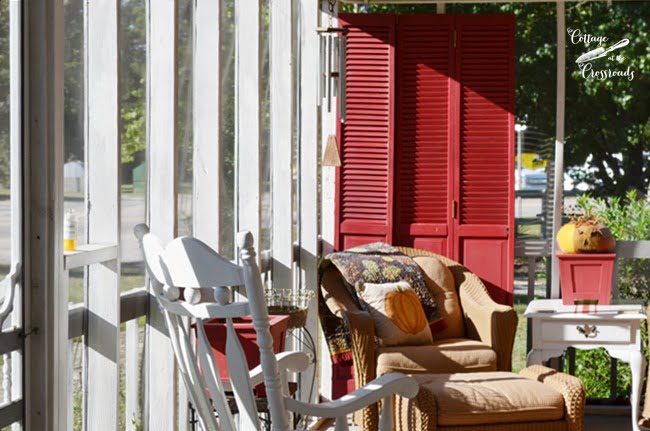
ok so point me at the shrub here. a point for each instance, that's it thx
(629, 220)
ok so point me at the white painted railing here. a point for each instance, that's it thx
(133, 312)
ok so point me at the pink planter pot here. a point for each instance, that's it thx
(215, 329)
(586, 277)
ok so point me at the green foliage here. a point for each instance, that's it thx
(629, 220)
(593, 368)
(5, 156)
(73, 80)
(610, 116)
(133, 127)
(133, 52)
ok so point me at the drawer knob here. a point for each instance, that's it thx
(589, 331)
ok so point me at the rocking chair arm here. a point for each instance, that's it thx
(287, 361)
(376, 390)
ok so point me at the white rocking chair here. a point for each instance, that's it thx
(206, 278)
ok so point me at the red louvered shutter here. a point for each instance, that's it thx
(485, 71)
(424, 170)
(364, 181)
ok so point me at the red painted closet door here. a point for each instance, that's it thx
(485, 71)
(424, 168)
(364, 192)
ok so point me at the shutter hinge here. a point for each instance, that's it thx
(454, 38)
(454, 209)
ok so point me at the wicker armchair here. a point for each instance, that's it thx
(481, 339)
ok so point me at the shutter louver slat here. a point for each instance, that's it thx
(364, 199)
(423, 173)
(485, 63)
(485, 71)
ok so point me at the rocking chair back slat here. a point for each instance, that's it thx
(214, 384)
(189, 372)
(240, 380)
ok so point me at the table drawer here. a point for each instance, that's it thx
(588, 332)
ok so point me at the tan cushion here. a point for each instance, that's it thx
(453, 355)
(397, 314)
(440, 282)
(490, 398)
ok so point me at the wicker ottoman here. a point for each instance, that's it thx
(536, 399)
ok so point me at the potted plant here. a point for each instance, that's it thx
(586, 260)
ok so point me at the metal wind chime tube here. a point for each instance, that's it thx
(334, 73)
(321, 78)
(332, 79)
(342, 79)
(332, 64)
(328, 71)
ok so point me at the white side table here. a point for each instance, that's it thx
(616, 328)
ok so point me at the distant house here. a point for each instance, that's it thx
(139, 176)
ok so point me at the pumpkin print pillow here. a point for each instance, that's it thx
(397, 313)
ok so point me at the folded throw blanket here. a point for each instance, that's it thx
(372, 263)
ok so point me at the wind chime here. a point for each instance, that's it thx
(332, 78)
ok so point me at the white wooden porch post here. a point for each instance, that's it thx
(207, 123)
(309, 155)
(328, 177)
(282, 103)
(46, 302)
(558, 191)
(16, 154)
(102, 70)
(248, 119)
(162, 17)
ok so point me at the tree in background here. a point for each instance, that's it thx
(607, 120)
(611, 116)
(4, 94)
(133, 62)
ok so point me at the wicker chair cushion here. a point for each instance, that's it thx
(454, 355)
(440, 282)
(490, 398)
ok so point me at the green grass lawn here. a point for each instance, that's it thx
(132, 277)
(529, 231)
(519, 350)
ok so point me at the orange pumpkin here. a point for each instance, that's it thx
(404, 309)
(593, 238)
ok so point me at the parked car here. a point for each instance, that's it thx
(531, 179)
(537, 179)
